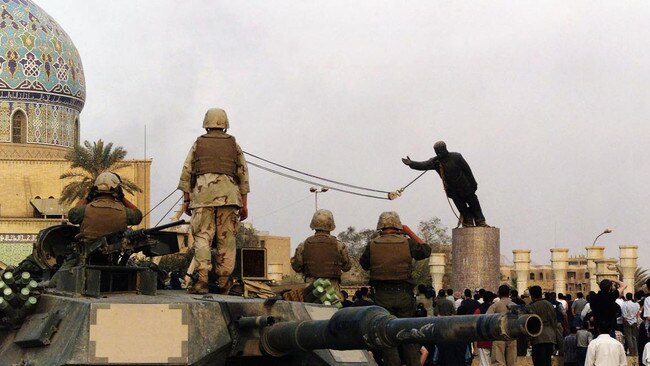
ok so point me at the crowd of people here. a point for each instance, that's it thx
(601, 328)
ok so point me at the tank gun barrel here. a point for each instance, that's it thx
(373, 327)
(140, 233)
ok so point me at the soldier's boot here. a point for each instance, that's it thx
(225, 284)
(201, 284)
(482, 224)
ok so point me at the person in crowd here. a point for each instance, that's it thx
(630, 311)
(576, 308)
(484, 348)
(544, 343)
(444, 306)
(363, 299)
(603, 304)
(425, 297)
(605, 350)
(570, 348)
(503, 352)
(468, 302)
(583, 337)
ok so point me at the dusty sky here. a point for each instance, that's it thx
(547, 101)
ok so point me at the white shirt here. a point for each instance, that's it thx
(457, 303)
(605, 351)
(646, 311)
(585, 310)
(620, 303)
(629, 310)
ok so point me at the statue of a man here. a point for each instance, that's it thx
(458, 181)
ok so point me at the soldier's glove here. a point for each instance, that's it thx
(407, 161)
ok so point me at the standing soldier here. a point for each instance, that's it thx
(322, 255)
(388, 257)
(214, 182)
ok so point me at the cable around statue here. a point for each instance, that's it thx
(458, 182)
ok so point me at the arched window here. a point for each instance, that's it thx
(76, 132)
(586, 275)
(541, 275)
(19, 127)
(531, 276)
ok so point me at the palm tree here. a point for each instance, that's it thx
(87, 162)
(640, 276)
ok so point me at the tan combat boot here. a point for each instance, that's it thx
(201, 284)
(225, 284)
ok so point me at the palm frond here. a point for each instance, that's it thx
(93, 159)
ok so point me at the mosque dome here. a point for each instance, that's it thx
(42, 86)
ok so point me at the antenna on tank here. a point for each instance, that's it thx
(145, 141)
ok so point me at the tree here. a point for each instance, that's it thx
(87, 162)
(356, 242)
(435, 235)
(247, 237)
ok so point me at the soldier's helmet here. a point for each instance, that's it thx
(216, 118)
(322, 220)
(107, 182)
(389, 219)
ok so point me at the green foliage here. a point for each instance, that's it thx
(247, 237)
(87, 162)
(356, 242)
(436, 236)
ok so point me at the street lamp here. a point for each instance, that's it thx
(606, 231)
(316, 191)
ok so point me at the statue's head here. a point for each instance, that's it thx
(440, 148)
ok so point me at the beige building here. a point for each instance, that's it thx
(577, 275)
(278, 255)
(42, 93)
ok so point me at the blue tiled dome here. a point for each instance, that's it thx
(40, 75)
(36, 54)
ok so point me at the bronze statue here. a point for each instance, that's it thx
(458, 182)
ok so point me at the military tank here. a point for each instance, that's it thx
(113, 314)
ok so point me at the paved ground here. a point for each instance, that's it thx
(557, 361)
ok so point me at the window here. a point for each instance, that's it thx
(587, 275)
(531, 276)
(541, 275)
(571, 275)
(76, 132)
(18, 127)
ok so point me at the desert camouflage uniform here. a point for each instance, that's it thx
(215, 201)
(297, 264)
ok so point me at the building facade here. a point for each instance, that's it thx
(42, 93)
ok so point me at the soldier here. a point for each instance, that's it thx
(105, 210)
(214, 181)
(322, 255)
(458, 181)
(388, 257)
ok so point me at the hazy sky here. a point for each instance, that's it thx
(547, 101)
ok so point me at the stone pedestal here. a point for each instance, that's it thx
(605, 268)
(437, 269)
(559, 264)
(475, 258)
(628, 262)
(594, 253)
(521, 259)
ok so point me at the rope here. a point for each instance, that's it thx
(159, 203)
(316, 183)
(170, 210)
(315, 176)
